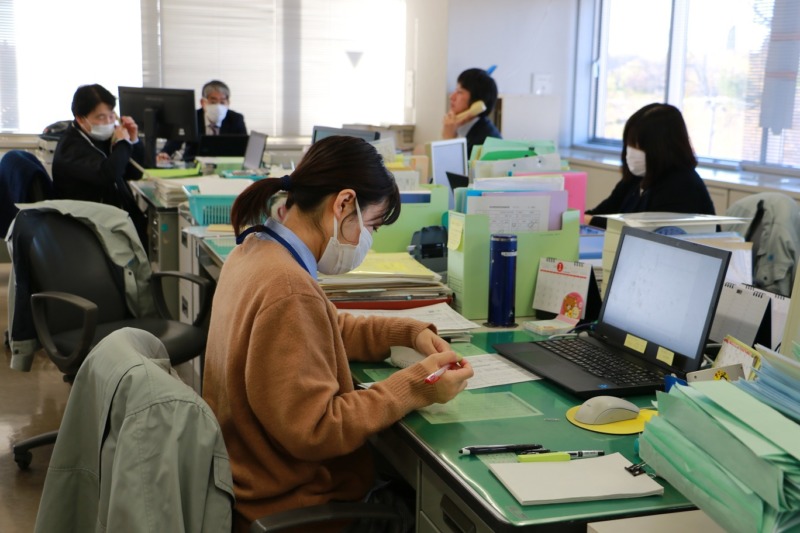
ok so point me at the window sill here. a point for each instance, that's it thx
(731, 179)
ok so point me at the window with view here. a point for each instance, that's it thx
(731, 66)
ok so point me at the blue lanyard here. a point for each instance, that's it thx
(278, 238)
(288, 246)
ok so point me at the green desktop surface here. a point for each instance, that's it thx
(438, 445)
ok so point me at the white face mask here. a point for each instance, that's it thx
(216, 113)
(340, 258)
(102, 132)
(636, 160)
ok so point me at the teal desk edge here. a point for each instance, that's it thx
(438, 445)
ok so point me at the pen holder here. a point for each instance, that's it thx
(502, 280)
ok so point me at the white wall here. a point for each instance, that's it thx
(521, 37)
(426, 60)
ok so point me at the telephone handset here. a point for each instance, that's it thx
(474, 110)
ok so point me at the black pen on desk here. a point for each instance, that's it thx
(586, 453)
(498, 448)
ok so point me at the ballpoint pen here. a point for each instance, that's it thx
(500, 448)
(434, 377)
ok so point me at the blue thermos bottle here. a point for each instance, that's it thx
(502, 280)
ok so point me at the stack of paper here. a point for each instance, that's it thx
(777, 382)
(447, 321)
(740, 268)
(386, 281)
(732, 455)
(656, 221)
(504, 157)
(170, 191)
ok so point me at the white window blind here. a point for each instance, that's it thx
(290, 64)
(50, 47)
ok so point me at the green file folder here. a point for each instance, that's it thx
(468, 260)
(413, 217)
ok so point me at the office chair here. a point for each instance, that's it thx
(78, 296)
(180, 458)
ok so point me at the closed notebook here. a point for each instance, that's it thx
(598, 478)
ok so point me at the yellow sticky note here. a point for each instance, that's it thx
(454, 233)
(665, 356)
(635, 343)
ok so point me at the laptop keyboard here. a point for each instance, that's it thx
(601, 362)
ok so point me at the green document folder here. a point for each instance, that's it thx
(468, 260)
(413, 217)
(732, 455)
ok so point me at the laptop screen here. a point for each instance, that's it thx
(254, 154)
(662, 296)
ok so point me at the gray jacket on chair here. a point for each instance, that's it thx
(119, 239)
(776, 239)
(137, 451)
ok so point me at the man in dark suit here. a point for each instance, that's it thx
(213, 118)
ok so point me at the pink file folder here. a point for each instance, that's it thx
(574, 183)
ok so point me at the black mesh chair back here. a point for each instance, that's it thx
(66, 256)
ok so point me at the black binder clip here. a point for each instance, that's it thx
(636, 470)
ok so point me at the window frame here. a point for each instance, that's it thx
(590, 67)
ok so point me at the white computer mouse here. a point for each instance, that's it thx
(605, 410)
(403, 356)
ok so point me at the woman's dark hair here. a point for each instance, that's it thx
(481, 86)
(330, 165)
(660, 131)
(87, 97)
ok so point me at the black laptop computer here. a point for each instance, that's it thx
(222, 145)
(658, 308)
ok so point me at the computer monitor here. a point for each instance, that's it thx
(230, 145)
(160, 114)
(320, 132)
(448, 156)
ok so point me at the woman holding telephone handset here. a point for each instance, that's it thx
(470, 105)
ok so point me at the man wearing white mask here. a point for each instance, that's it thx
(658, 168)
(213, 118)
(93, 159)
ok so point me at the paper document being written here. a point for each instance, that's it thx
(597, 478)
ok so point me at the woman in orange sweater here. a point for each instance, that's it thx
(276, 367)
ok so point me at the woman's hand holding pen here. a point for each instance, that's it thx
(448, 373)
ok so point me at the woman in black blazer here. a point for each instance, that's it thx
(93, 160)
(658, 168)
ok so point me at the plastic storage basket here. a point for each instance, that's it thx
(209, 208)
